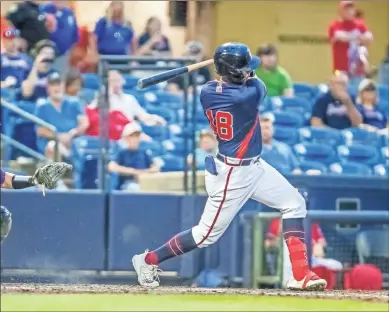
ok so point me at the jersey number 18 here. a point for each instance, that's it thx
(222, 124)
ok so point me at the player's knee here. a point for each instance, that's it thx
(297, 207)
(203, 236)
(5, 222)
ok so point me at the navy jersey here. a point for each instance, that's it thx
(232, 111)
(2, 177)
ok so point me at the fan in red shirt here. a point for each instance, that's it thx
(349, 37)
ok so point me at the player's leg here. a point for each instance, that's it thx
(227, 194)
(5, 222)
(274, 190)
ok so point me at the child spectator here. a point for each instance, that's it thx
(113, 32)
(207, 146)
(130, 162)
(64, 113)
(124, 108)
(73, 83)
(15, 66)
(335, 108)
(276, 78)
(34, 87)
(65, 32)
(373, 117)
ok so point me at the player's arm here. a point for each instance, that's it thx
(366, 37)
(114, 167)
(12, 181)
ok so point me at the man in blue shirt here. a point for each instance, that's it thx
(65, 34)
(15, 66)
(335, 109)
(131, 161)
(277, 154)
(64, 113)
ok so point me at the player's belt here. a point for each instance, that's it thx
(237, 162)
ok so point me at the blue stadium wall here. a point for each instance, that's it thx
(89, 230)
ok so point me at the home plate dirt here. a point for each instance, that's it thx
(374, 296)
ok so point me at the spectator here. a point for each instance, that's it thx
(64, 33)
(15, 66)
(152, 42)
(131, 162)
(276, 78)
(349, 37)
(34, 87)
(277, 154)
(73, 83)
(195, 50)
(124, 108)
(374, 118)
(207, 146)
(66, 114)
(335, 108)
(384, 69)
(113, 33)
(27, 18)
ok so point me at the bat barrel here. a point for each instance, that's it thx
(152, 80)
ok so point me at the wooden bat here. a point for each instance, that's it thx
(173, 73)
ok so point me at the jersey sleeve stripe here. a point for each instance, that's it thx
(243, 147)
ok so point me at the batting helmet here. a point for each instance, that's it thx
(233, 61)
(5, 222)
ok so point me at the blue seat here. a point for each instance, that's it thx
(140, 96)
(384, 140)
(295, 104)
(167, 114)
(288, 119)
(317, 152)
(179, 130)
(360, 136)
(385, 155)
(287, 135)
(173, 163)
(321, 135)
(165, 99)
(350, 168)
(364, 154)
(91, 81)
(383, 92)
(130, 81)
(87, 95)
(381, 170)
(155, 147)
(305, 91)
(176, 146)
(159, 133)
(313, 165)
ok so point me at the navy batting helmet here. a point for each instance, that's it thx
(5, 222)
(233, 61)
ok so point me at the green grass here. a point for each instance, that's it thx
(130, 302)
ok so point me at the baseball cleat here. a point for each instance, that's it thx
(311, 282)
(147, 273)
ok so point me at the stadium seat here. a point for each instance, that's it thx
(176, 146)
(130, 81)
(165, 99)
(169, 115)
(155, 147)
(350, 168)
(364, 154)
(179, 130)
(360, 136)
(172, 163)
(287, 135)
(91, 81)
(298, 105)
(312, 165)
(159, 133)
(383, 92)
(288, 119)
(321, 135)
(385, 155)
(140, 96)
(317, 152)
(87, 95)
(305, 91)
(384, 140)
(381, 170)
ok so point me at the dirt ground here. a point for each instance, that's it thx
(376, 296)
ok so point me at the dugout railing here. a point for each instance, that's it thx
(127, 64)
(255, 226)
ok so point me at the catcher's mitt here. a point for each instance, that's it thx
(49, 175)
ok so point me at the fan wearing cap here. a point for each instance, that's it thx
(349, 37)
(207, 146)
(34, 87)
(15, 66)
(374, 118)
(131, 161)
(64, 113)
(276, 79)
(335, 108)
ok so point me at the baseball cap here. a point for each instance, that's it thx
(131, 128)
(367, 85)
(54, 78)
(345, 4)
(10, 32)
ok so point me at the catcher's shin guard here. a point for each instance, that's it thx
(5, 222)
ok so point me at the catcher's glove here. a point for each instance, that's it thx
(48, 175)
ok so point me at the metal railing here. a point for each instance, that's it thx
(32, 118)
(109, 62)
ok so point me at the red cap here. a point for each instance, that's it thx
(9, 33)
(345, 4)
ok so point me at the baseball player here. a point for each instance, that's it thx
(47, 176)
(237, 173)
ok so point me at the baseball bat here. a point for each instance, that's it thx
(173, 73)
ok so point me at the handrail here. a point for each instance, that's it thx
(34, 119)
(22, 147)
